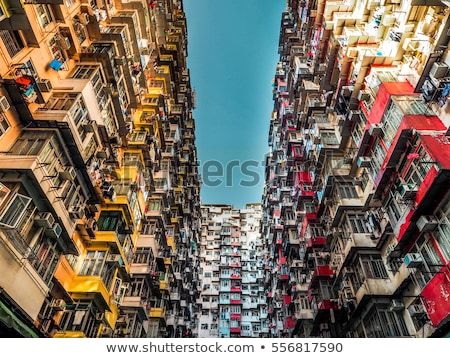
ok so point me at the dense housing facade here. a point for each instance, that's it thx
(99, 203)
(356, 200)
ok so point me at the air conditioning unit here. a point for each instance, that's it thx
(439, 70)
(122, 320)
(108, 88)
(363, 95)
(68, 174)
(120, 61)
(323, 326)
(65, 42)
(44, 219)
(375, 129)
(113, 258)
(426, 223)
(278, 304)
(356, 181)
(340, 120)
(91, 224)
(99, 316)
(101, 154)
(44, 85)
(84, 18)
(88, 125)
(54, 232)
(364, 162)
(328, 201)
(347, 270)
(354, 115)
(407, 191)
(91, 227)
(413, 260)
(76, 211)
(106, 331)
(58, 304)
(416, 310)
(396, 305)
(4, 104)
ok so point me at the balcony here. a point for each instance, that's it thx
(374, 287)
(235, 329)
(132, 301)
(359, 241)
(157, 312)
(315, 242)
(321, 272)
(322, 308)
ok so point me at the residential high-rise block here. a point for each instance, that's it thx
(357, 193)
(100, 206)
(232, 301)
(102, 232)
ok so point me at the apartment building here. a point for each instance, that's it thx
(100, 202)
(356, 196)
(233, 299)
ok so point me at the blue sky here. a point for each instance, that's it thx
(232, 56)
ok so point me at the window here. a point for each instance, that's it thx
(442, 233)
(61, 101)
(431, 260)
(235, 309)
(373, 266)
(419, 168)
(357, 224)
(381, 323)
(391, 121)
(15, 210)
(44, 16)
(109, 220)
(328, 138)
(347, 191)
(4, 124)
(204, 326)
(139, 287)
(93, 263)
(154, 204)
(80, 316)
(143, 255)
(377, 155)
(149, 228)
(45, 258)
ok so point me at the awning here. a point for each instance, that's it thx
(12, 321)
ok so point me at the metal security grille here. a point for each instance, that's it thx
(12, 41)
